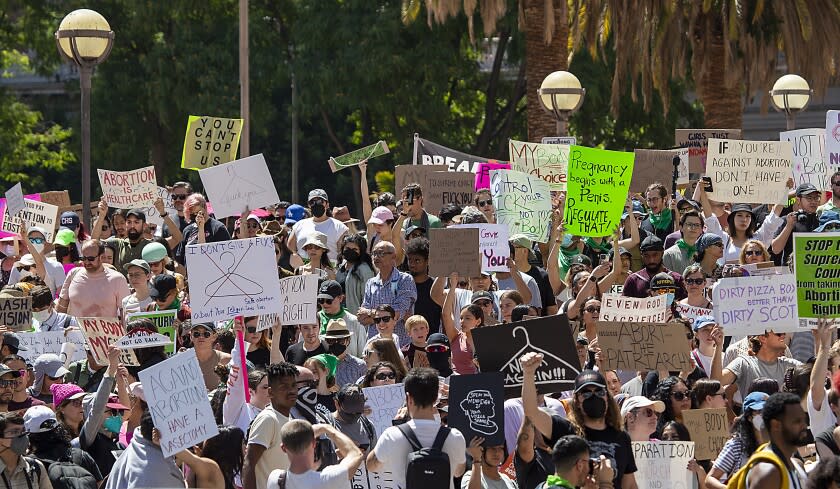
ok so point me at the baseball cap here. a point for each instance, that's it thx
(139, 214)
(589, 377)
(39, 419)
(136, 390)
(51, 365)
(12, 340)
(5, 369)
(411, 229)
(687, 204)
(295, 213)
(209, 326)
(381, 215)
(352, 399)
(521, 241)
(624, 251)
(28, 260)
(162, 285)
(805, 189)
(652, 243)
(636, 402)
(330, 289)
(702, 321)
(481, 295)
(137, 263)
(317, 193)
(662, 280)
(69, 220)
(755, 401)
(581, 260)
(64, 237)
(637, 208)
(153, 252)
(437, 339)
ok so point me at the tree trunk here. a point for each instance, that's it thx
(722, 101)
(542, 58)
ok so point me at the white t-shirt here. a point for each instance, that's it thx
(333, 228)
(332, 477)
(393, 448)
(820, 420)
(54, 279)
(265, 431)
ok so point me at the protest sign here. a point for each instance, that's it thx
(482, 174)
(429, 153)
(808, 146)
(662, 464)
(832, 141)
(691, 312)
(549, 162)
(477, 406)
(443, 187)
(644, 346)
(267, 320)
(697, 142)
(129, 189)
(178, 402)
(749, 171)
(454, 250)
(141, 338)
(709, 430)
(419, 174)
(210, 141)
(34, 345)
(165, 322)
(298, 296)
(615, 307)
(522, 202)
(238, 185)
(358, 156)
(101, 333)
(14, 200)
(153, 216)
(16, 312)
(58, 198)
(817, 266)
(597, 190)
(657, 165)
(751, 305)
(233, 278)
(492, 245)
(498, 349)
(4, 234)
(384, 402)
(33, 214)
(364, 479)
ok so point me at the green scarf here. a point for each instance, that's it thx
(176, 304)
(604, 246)
(691, 250)
(325, 318)
(662, 221)
(564, 258)
(557, 481)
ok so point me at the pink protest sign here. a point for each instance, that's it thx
(4, 234)
(482, 173)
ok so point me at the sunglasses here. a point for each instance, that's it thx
(24, 267)
(383, 319)
(437, 349)
(75, 402)
(752, 253)
(179, 197)
(7, 383)
(201, 334)
(592, 309)
(368, 353)
(251, 329)
(483, 203)
(333, 341)
(836, 184)
(90, 258)
(307, 383)
(832, 227)
(37, 240)
(590, 394)
(645, 412)
(721, 394)
(695, 281)
(116, 412)
(325, 301)
(680, 395)
(383, 376)
(666, 291)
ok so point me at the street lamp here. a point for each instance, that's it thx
(561, 95)
(790, 94)
(85, 38)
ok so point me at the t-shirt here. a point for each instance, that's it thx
(259, 357)
(393, 448)
(94, 294)
(214, 231)
(509, 284)
(265, 431)
(332, 477)
(333, 228)
(750, 368)
(540, 276)
(426, 307)
(297, 354)
(130, 304)
(820, 420)
(487, 483)
(531, 474)
(26, 404)
(127, 251)
(731, 457)
(614, 445)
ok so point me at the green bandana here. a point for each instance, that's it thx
(564, 258)
(662, 221)
(691, 250)
(325, 318)
(557, 481)
(604, 246)
(176, 304)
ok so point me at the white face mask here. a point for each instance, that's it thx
(39, 247)
(25, 273)
(758, 422)
(8, 250)
(41, 316)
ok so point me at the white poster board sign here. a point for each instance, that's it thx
(619, 308)
(662, 464)
(153, 216)
(129, 189)
(100, 334)
(34, 213)
(239, 184)
(752, 305)
(36, 344)
(298, 294)
(809, 166)
(749, 171)
(384, 402)
(692, 312)
(14, 200)
(492, 244)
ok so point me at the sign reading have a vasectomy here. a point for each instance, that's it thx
(817, 265)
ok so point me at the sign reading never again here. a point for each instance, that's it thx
(210, 141)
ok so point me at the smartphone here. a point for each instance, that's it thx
(604, 258)
(707, 184)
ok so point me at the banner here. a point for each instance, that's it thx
(384, 402)
(178, 402)
(210, 141)
(429, 153)
(482, 175)
(817, 267)
(454, 250)
(808, 146)
(239, 184)
(709, 430)
(615, 307)
(14, 200)
(832, 141)
(663, 464)
(498, 349)
(522, 202)
(358, 156)
(477, 406)
(644, 346)
(657, 165)
(34, 345)
(233, 278)
(749, 171)
(16, 313)
(549, 162)
(101, 333)
(752, 305)
(299, 298)
(129, 189)
(697, 142)
(492, 245)
(691, 312)
(165, 322)
(597, 190)
(442, 187)
(35, 213)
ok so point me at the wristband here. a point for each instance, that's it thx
(165, 214)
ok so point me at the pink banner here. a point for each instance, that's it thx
(4, 234)
(482, 173)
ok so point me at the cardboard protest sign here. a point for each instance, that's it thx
(482, 174)
(615, 307)
(16, 312)
(129, 189)
(498, 349)
(749, 171)
(454, 250)
(298, 296)
(233, 278)
(477, 406)
(405, 174)
(267, 320)
(709, 430)
(141, 338)
(444, 187)
(210, 141)
(429, 153)
(58, 198)
(384, 401)
(14, 200)
(817, 266)
(549, 162)
(751, 305)
(34, 345)
(644, 346)
(239, 184)
(165, 322)
(178, 402)
(832, 141)
(662, 464)
(808, 146)
(101, 333)
(358, 156)
(597, 190)
(697, 142)
(4, 234)
(35, 213)
(657, 165)
(692, 312)
(492, 245)
(522, 202)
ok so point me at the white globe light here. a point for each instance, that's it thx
(560, 79)
(88, 47)
(794, 101)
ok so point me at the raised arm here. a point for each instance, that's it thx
(779, 242)
(448, 311)
(275, 355)
(175, 235)
(823, 340)
(38, 258)
(367, 211)
(102, 209)
(521, 286)
(633, 226)
(437, 293)
(542, 420)
(97, 412)
(351, 456)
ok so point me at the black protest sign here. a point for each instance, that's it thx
(16, 313)
(454, 250)
(448, 187)
(697, 142)
(427, 153)
(499, 348)
(477, 406)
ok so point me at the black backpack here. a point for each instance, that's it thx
(427, 467)
(68, 475)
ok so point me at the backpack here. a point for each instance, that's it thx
(427, 467)
(739, 479)
(65, 474)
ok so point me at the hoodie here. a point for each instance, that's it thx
(142, 464)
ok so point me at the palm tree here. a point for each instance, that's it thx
(545, 24)
(728, 47)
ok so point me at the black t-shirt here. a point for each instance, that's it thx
(659, 233)
(259, 357)
(531, 474)
(805, 223)
(28, 403)
(426, 307)
(102, 450)
(297, 355)
(560, 427)
(546, 294)
(214, 231)
(614, 445)
(827, 439)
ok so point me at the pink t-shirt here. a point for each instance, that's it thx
(462, 356)
(97, 294)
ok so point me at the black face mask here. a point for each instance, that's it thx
(351, 255)
(337, 349)
(349, 417)
(440, 362)
(595, 407)
(318, 210)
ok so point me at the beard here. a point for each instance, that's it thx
(797, 439)
(134, 235)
